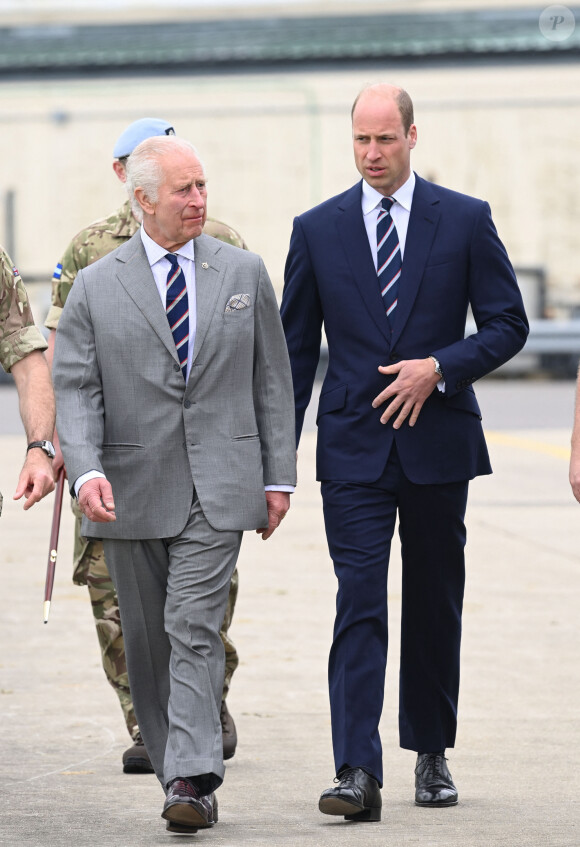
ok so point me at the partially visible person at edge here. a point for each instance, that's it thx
(21, 346)
(390, 267)
(176, 419)
(90, 567)
(575, 454)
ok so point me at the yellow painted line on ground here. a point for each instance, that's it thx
(530, 444)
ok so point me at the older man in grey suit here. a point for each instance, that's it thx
(177, 427)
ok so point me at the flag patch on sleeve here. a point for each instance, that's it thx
(57, 271)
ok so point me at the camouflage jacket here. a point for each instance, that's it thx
(18, 335)
(99, 239)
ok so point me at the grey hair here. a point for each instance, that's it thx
(143, 167)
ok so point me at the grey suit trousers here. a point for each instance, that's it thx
(172, 596)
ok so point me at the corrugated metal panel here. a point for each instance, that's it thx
(256, 42)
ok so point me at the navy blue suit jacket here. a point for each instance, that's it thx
(453, 258)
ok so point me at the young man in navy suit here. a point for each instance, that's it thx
(391, 266)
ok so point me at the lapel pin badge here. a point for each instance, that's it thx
(205, 265)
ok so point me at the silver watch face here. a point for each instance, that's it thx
(437, 365)
(47, 446)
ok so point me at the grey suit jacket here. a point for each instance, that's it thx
(124, 409)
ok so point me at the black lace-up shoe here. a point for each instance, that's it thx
(357, 796)
(185, 806)
(433, 782)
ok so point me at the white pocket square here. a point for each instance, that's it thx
(237, 302)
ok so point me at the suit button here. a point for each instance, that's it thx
(176, 367)
(186, 404)
(393, 357)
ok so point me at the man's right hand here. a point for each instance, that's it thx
(96, 500)
(36, 480)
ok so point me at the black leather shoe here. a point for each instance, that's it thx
(185, 806)
(136, 758)
(433, 782)
(357, 796)
(229, 734)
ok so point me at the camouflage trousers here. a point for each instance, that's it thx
(90, 569)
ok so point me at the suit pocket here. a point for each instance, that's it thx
(245, 437)
(443, 259)
(332, 401)
(464, 400)
(123, 446)
(239, 317)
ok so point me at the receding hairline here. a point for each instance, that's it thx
(389, 92)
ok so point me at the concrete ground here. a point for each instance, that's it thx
(516, 759)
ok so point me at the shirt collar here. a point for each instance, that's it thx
(371, 198)
(155, 251)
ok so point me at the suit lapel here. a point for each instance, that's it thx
(353, 233)
(135, 276)
(209, 277)
(423, 223)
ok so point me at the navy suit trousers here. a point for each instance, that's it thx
(360, 521)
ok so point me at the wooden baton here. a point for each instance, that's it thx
(51, 566)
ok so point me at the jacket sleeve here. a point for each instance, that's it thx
(272, 386)
(302, 320)
(498, 310)
(77, 382)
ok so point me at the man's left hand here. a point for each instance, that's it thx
(36, 478)
(416, 379)
(575, 474)
(278, 504)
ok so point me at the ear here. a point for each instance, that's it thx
(147, 206)
(412, 136)
(119, 169)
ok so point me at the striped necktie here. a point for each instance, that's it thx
(177, 309)
(388, 258)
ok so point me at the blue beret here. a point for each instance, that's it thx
(138, 132)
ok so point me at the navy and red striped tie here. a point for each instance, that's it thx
(389, 260)
(177, 308)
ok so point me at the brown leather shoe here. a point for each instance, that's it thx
(136, 758)
(184, 805)
(229, 734)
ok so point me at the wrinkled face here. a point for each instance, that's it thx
(382, 151)
(180, 211)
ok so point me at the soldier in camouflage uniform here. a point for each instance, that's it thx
(92, 243)
(21, 346)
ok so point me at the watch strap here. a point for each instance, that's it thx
(46, 446)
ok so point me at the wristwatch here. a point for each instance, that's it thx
(47, 446)
(437, 366)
